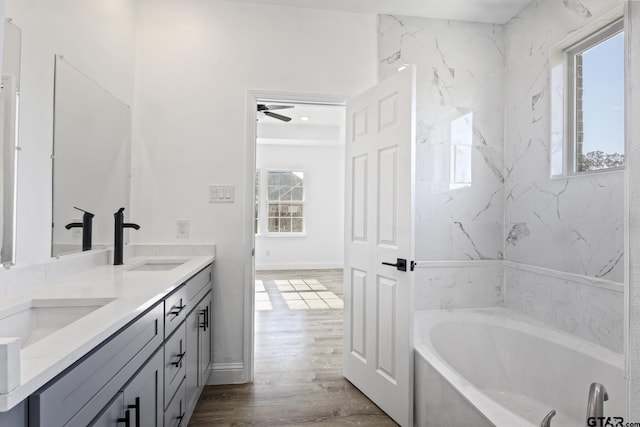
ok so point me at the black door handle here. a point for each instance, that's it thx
(400, 265)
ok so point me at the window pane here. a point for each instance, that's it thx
(285, 193)
(296, 224)
(285, 211)
(297, 193)
(274, 224)
(599, 103)
(274, 178)
(297, 178)
(273, 209)
(285, 179)
(285, 225)
(296, 210)
(274, 193)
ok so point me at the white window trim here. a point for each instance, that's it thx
(264, 204)
(563, 139)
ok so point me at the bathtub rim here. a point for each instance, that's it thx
(488, 408)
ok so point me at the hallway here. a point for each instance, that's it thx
(298, 362)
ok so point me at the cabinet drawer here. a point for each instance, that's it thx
(175, 362)
(174, 416)
(176, 308)
(78, 394)
(196, 284)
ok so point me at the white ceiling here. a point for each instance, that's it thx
(325, 125)
(491, 11)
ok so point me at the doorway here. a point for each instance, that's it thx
(297, 374)
(299, 232)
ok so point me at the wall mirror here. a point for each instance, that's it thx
(9, 109)
(91, 159)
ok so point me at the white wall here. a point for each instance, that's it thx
(195, 61)
(95, 36)
(322, 245)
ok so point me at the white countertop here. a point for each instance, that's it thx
(134, 293)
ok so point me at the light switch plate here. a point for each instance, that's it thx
(221, 194)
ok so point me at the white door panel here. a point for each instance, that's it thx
(379, 228)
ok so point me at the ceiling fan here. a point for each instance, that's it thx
(267, 110)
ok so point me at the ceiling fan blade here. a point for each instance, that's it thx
(279, 107)
(277, 116)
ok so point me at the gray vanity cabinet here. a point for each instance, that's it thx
(138, 404)
(142, 396)
(148, 374)
(204, 341)
(198, 350)
(112, 413)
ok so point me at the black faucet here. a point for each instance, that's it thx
(118, 241)
(87, 225)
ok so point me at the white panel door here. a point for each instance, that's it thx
(379, 228)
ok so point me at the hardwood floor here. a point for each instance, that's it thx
(298, 369)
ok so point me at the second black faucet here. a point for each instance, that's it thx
(118, 241)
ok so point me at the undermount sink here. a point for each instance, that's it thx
(157, 265)
(38, 318)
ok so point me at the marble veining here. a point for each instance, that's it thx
(458, 284)
(594, 313)
(572, 224)
(459, 155)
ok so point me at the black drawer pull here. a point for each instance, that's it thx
(137, 408)
(180, 418)
(205, 319)
(178, 362)
(177, 310)
(126, 420)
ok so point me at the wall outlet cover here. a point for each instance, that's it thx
(183, 228)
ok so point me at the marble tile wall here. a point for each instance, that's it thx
(585, 307)
(460, 128)
(483, 186)
(570, 224)
(447, 285)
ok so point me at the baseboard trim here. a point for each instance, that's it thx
(300, 266)
(226, 373)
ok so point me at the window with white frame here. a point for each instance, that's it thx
(285, 201)
(593, 128)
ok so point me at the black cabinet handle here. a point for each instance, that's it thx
(205, 320)
(126, 420)
(177, 310)
(137, 408)
(180, 417)
(179, 361)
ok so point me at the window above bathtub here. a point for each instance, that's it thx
(587, 100)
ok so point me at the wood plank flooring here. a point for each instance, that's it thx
(298, 369)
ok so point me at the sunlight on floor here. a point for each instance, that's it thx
(298, 294)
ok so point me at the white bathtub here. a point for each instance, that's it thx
(494, 367)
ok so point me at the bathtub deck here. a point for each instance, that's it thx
(298, 369)
(530, 409)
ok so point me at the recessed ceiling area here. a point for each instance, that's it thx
(311, 124)
(489, 11)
